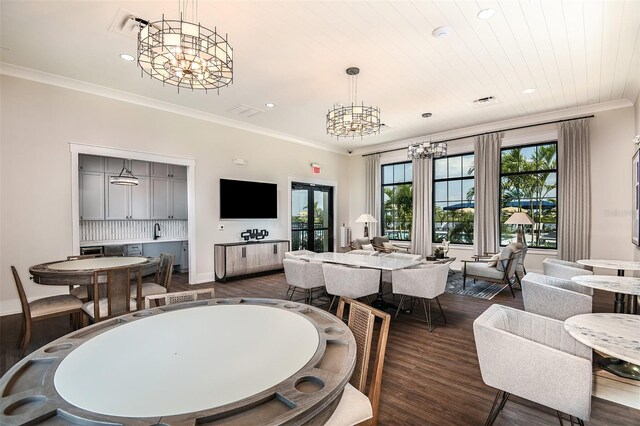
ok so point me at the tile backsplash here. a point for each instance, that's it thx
(117, 230)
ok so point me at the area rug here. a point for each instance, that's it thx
(479, 289)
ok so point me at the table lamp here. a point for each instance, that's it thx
(520, 218)
(366, 219)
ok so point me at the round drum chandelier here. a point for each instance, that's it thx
(427, 149)
(184, 54)
(353, 120)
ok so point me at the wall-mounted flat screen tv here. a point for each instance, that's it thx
(241, 199)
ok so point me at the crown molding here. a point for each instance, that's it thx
(497, 125)
(119, 95)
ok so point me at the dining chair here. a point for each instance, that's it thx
(42, 309)
(535, 358)
(162, 281)
(178, 297)
(114, 299)
(425, 283)
(303, 276)
(345, 281)
(80, 291)
(564, 269)
(295, 254)
(554, 297)
(356, 406)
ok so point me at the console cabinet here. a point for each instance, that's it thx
(237, 259)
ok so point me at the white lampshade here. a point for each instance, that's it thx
(366, 218)
(519, 218)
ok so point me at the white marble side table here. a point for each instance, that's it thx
(617, 335)
(620, 266)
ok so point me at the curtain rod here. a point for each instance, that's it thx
(486, 133)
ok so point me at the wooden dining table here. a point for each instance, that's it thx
(236, 361)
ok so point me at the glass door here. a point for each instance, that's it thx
(311, 217)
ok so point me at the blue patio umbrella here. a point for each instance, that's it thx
(524, 204)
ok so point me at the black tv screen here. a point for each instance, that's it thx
(241, 199)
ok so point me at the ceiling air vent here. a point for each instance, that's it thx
(126, 23)
(488, 100)
(245, 110)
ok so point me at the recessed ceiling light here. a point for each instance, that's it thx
(528, 91)
(485, 14)
(269, 105)
(442, 32)
(126, 57)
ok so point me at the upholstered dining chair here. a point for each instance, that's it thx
(42, 309)
(513, 344)
(115, 298)
(554, 297)
(503, 271)
(425, 283)
(564, 269)
(303, 276)
(356, 407)
(179, 297)
(162, 281)
(295, 254)
(80, 291)
(354, 283)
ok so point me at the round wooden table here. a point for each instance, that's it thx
(80, 271)
(244, 361)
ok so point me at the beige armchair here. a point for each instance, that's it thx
(503, 272)
(384, 245)
(533, 357)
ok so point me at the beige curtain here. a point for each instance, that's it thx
(421, 228)
(574, 190)
(372, 190)
(487, 192)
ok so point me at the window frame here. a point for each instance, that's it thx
(556, 171)
(433, 191)
(381, 222)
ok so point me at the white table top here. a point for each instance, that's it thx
(187, 360)
(626, 285)
(97, 263)
(374, 262)
(617, 335)
(627, 265)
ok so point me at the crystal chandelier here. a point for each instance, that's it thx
(185, 54)
(427, 149)
(353, 120)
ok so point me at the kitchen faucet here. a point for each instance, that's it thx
(156, 231)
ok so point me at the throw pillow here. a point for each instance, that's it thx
(504, 254)
(388, 246)
(368, 247)
(494, 260)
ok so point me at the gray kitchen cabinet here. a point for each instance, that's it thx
(139, 168)
(168, 171)
(179, 172)
(179, 199)
(91, 195)
(160, 198)
(90, 163)
(127, 202)
(113, 165)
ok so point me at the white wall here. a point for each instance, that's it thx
(611, 151)
(38, 122)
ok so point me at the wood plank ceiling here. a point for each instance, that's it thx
(574, 53)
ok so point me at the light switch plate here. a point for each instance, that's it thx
(220, 227)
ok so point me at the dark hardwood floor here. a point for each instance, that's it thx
(429, 378)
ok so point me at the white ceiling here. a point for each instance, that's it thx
(294, 54)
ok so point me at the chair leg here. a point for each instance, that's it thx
(427, 313)
(511, 288)
(293, 290)
(441, 311)
(498, 405)
(331, 304)
(559, 414)
(26, 338)
(399, 307)
(464, 281)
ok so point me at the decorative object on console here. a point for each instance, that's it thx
(520, 218)
(184, 54)
(438, 253)
(366, 219)
(353, 120)
(427, 149)
(125, 177)
(254, 234)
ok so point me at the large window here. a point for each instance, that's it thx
(528, 183)
(397, 200)
(453, 195)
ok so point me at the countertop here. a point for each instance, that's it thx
(136, 241)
